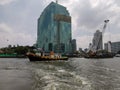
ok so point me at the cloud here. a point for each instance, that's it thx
(20, 19)
(88, 16)
(83, 41)
(109, 36)
(8, 36)
(16, 39)
(3, 2)
(5, 28)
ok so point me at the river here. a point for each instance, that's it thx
(74, 74)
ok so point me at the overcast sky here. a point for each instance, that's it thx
(18, 20)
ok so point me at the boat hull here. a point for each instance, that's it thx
(100, 56)
(44, 58)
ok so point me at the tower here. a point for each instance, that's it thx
(54, 29)
(74, 46)
(98, 41)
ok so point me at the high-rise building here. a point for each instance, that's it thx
(74, 46)
(97, 40)
(54, 29)
(115, 46)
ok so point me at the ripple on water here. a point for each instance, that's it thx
(56, 78)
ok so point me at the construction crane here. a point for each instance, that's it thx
(104, 27)
(94, 52)
(95, 48)
(103, 31)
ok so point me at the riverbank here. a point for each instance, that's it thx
(12, 56)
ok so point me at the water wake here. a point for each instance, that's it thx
(57, 78)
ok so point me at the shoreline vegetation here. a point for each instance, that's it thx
(15, 51)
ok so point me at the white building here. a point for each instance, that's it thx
(115, 46)
(97, 42)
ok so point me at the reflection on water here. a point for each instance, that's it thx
(74, 74)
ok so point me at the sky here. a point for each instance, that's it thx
(18, 20)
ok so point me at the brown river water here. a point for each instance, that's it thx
(74, 74)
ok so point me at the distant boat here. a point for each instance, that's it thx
(102, 55)
(34, 57)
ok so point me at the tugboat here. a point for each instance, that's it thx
(99, 55)
(40, 57)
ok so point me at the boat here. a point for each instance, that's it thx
(100, 55)
(36, 57)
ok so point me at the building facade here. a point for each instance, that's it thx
(54, 29)
(74, 46)
(97, 42)
(115, 47)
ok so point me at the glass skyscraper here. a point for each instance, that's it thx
(54, 29)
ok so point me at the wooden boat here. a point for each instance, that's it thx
(34, 57)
